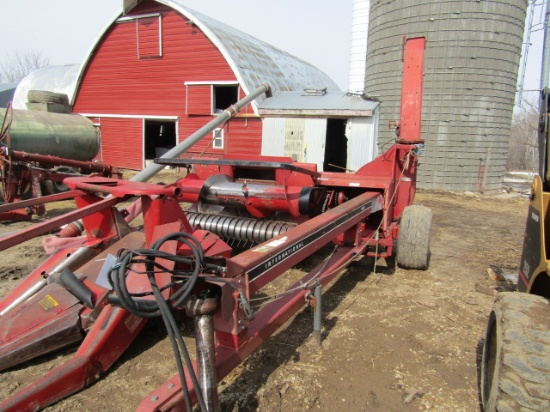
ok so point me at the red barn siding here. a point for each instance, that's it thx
(121, 143)
(148, 38)
(241, 136)
(246, 137)
(199, 99)
(117, 81)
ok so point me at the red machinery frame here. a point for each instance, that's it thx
(19, 170)
(359, 213)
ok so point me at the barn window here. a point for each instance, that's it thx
(206, 97)
(217, 138)
(148, 34)
(224, 96)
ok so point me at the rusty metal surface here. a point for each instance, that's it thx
(6, 207)
(266, 321)
(360, 210)
(85, 166)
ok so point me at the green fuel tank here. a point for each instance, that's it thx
(70, 136)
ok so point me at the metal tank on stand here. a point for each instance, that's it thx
(69, 136)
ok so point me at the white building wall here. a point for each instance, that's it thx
(361, 132)
(273, 137)
(362, 146)
(314, 140)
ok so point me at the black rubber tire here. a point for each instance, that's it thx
(43, 96)
(413, 243)
(515, 366)
(47, 187)
(60, 187)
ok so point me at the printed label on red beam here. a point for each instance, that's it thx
(48, 302)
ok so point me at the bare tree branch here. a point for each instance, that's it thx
(20, 63)
(523, 149)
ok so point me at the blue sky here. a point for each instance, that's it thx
(318, 31)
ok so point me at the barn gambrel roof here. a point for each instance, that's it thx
(253, 61)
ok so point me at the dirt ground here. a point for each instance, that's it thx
(393, 340)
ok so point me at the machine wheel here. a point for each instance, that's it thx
(60, 187)
(47, 187)
(515, 367)
(43, 96)
(413, 243)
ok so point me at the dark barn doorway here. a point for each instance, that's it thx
(160, 136)
(336, 147)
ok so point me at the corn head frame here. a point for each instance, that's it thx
(182, 260)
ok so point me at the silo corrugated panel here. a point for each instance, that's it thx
(471, 63)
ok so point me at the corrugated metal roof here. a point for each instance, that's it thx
(330, 103)
(58, 79)
(254, 61)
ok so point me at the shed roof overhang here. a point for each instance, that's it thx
(314, 113)
(323, 104)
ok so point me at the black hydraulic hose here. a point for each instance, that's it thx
(178, 345)
(185, 281)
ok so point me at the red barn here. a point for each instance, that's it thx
(161, 71)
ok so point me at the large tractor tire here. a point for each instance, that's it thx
(413, 243)
(515, 367)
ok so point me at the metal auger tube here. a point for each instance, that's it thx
(238, 228)
(204, 131)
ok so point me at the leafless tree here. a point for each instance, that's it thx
(523, 151)
(20, 63)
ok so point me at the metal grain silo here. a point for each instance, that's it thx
(471, 63)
